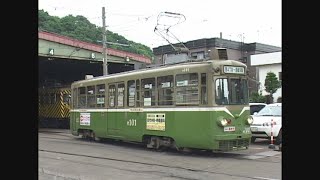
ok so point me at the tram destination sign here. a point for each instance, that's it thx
(233, 69)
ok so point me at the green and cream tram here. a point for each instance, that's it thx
(195, 105)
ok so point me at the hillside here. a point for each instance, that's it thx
(79, 27)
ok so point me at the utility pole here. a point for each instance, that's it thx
(104, 40)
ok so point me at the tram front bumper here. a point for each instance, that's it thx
(232, 142)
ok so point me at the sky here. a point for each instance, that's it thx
(238, 20)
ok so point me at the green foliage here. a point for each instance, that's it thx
(80, 28)
(272, 84)
(269, 99)
(279, 100)
(257, 97)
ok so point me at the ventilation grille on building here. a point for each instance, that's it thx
(222, 54)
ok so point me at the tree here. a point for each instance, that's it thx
(79, 27)
(279, 100)
(257, 97)
(271, 84)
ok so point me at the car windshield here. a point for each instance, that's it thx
(255, 108)
(270, 111)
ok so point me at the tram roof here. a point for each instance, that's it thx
(163, 68)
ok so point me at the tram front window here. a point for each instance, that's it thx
(231, 91)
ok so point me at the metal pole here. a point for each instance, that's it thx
(271, 131)
(271, 146)
(104, 35)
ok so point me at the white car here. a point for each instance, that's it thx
(256, 107)
(263, 120)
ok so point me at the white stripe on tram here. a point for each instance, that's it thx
(244, 109)
(160, 109)
(265, 178)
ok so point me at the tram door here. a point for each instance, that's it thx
(73, 117)
(101, 123)
(116, 103)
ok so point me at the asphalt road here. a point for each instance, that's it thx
(63, 156)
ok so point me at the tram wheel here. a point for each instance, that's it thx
(154, 142)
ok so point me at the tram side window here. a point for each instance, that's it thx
(165, 90)
(100, 95)
(148, 91)
(204, 95)
(74, 98)
(138, 93)
(131, 93)
(120, 95)
(82, 99)
(187, 89)
(91, 102)
(112, 95)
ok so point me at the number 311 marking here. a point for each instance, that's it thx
(185, 70)
(132, 122)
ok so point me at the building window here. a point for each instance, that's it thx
(197, 55)
(222, 53)
(52, 98)
(280, 78)
(66, 98)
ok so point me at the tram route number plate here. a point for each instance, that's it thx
(229, 128)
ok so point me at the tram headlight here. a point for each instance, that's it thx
(222, 121)
(250, 120)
